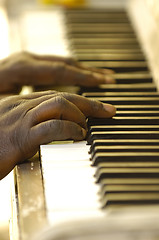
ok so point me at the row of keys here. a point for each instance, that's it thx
(124, 150)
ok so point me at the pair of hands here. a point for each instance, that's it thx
(41, 117)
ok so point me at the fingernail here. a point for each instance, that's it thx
(110, 109)
(84, 133)
(109, 80)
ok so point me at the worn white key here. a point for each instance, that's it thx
(69, 183)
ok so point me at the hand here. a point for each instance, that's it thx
(31, 69)
(39, 118)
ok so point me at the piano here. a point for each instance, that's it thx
(114, 174)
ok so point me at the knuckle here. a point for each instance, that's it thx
(60, 101)
(11, 103)
(49, 92)
(66, 95)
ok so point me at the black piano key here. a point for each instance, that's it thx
(103, 173)
(141, 194)
(137, 189)
(120, 94)
(97, 11)
(141, 80)
(123, 142)
(95, 17)
(121, 79)
(123, 84)
(100, 19)
(143, 183)
(131, 181)
(105, 47)
(128, 100)
(122, 132)
(129, 199)
(114, 27)
(96, 25)
(125, 157)
(102, 29)
(105, 35)
(124, 121)
(146, 87)
(137, 108)
(105, 128)
(123, 135)
(127, 188)
(133, 173)
(129, 164)
(123, 148)
(133, 65)
(137, 113)
(103, 41)
(122, 66)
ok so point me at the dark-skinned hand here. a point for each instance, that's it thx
(39, 118)
(30, 69)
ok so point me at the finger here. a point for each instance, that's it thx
(16, 105)
(54, 58)
(43, 73)
(54, 130)
(90, 107)
(57, 108)
(86, 77)
(69, 61)
(103, 71)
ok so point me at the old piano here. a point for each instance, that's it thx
(115, 172)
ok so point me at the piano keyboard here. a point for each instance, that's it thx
(122, 167)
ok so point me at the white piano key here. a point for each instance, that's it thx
(80, 148)
(72, 189)
(69, 180)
